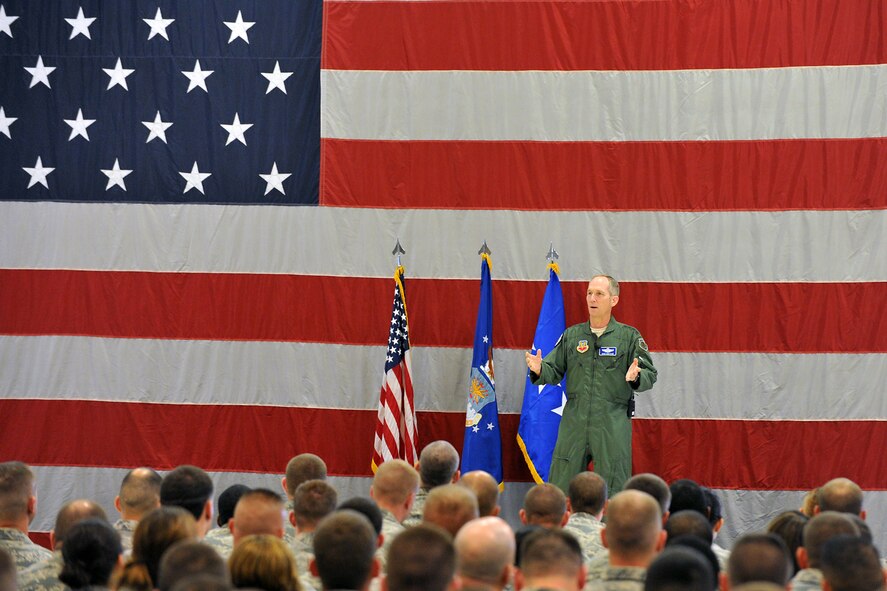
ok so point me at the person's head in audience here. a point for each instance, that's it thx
(633, 532)
(366, 507)
(689, 522)
(550, 558)
(158, 530)
(7, 572)
(687, 494)
(679, 568)
(450, 506)
(545, 505)
(421, 558)
(808, 504)
(587, 494)
(312, 501)
(485, 550)
(715, 513)
(202, 583)
(190, 488)
(228, 501)
(91, 553)
(394, 488)
(139, 493)
(302, 468)
(850, 564)
(72, 513)
(820, 529)
(189, 558)
(865, 532)
(789, 527)
(486, 489)
(702, 549)
(263, 562)
(18, 501)
(345, 551)
(758, 557)
(259, 511)
(655, 487)
(438, 464)
(841, 495)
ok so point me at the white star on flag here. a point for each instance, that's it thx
(116, 175)
(195, 179)
(489, 426)
(157, 128)
(40, 73)
(79, 125)
(158, 25)
(5, 21)
(486, 339)
(475, 429)
(236, 129)
(274, 182)
(560, 409)
(197, 77)
(239, 28)
(276, 79)
(5, 122)
(118, 75)
(80, 25)
(38, 173)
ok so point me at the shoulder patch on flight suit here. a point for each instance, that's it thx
(642, 344)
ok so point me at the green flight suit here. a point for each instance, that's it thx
(595, 424)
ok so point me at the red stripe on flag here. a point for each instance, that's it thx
(691, 176)
(769, 455)
(583, 35)
(699, 317)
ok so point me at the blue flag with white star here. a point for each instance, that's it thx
(482, 449)
(543, 405)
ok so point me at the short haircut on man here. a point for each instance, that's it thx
(588, 493)
(438, 463)
(689, 522)
(634, 524)
(759, 557)
(485, 488)
(188, 558)
(450, 506)
(703, 549)
(687, 494)
(841, 495)
(421, 558)
(545, 504)
(614, 285)
(822, 528)
(394, 481)
(312, 501)
(366, 507)
(202, 583)
(258, 512)
(679, 568)
(344, 550)
(72, 513)
(188, 487)
(302, 468)
(654, 486)
(140, 490)
(16, 488)
(485, 550)
(849, 564)
(546, 552)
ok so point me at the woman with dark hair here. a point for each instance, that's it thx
(789, 526)
(91, 552)
(157, 531)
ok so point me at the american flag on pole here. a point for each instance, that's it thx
(397, 432)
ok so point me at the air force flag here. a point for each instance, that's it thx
(543, 405)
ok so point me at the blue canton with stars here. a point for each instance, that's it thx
(398, 336)
(204, 101)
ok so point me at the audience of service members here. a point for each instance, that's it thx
(427, 528)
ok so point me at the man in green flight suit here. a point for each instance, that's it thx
(606, 362)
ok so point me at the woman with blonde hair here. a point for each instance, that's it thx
(157, 531)
(264, 562)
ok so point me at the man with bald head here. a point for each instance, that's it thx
(841, 495)
(486, 489)
(44, 576)
(633, 535)
(438, 465)
(139, 494)
(587, 501)
(18, 507)
(485, 551)
(545, 505)
(450, 507)
(394, 488)
(820, 529)
(259, 511)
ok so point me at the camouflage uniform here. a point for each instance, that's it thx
(620, 578)
(23, 551)
(221, 540)
(587, 530)
(415, 516)
(126, 527)
(43, 576)
(598, 567)
(390, 528)
(303, 548)
(808, 579)
(289, 532)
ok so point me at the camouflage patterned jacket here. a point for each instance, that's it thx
(587, 531)
(43, 576)
(24, 552)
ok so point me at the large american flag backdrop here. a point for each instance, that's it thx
(195, 267)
